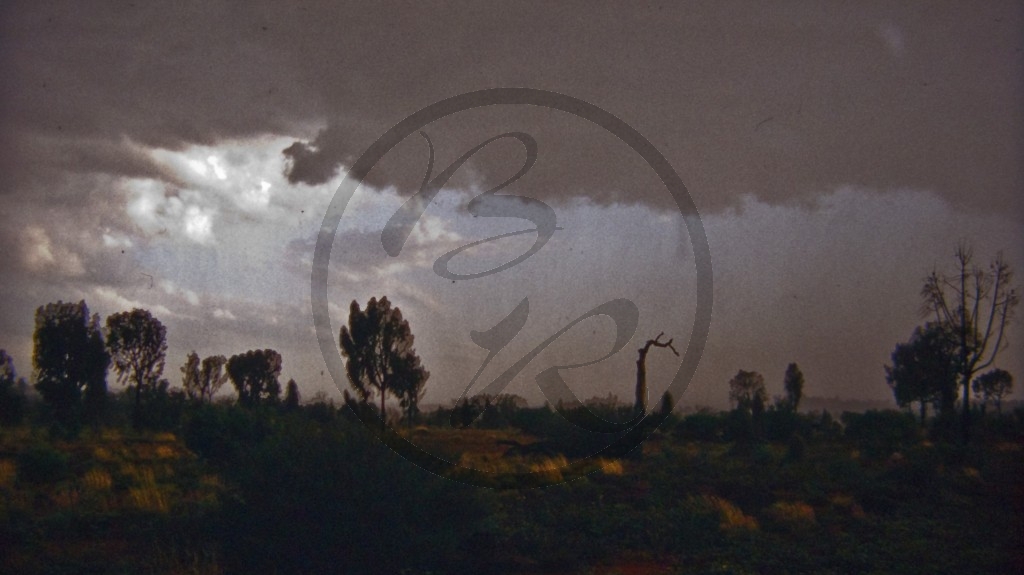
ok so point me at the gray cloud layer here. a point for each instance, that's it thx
(781, 103)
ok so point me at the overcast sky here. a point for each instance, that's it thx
(182, 158)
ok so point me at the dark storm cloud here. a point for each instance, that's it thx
(780, 103)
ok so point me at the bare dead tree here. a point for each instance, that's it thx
(641, 371)
(974, 305)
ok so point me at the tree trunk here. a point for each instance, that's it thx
(967, 408)
(136, 416)
(640, 404)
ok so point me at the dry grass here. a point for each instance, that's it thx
(792, 513)
(847, 504)
(730, 517)
(8, 472)
(610, 466)
(97, 479)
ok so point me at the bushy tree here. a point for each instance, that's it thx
(138, 346)
(746, 390)
(378, 346)
(993, 385)
(924, 370)
(70, 360)
(974, 305)
(201, 380)
(254, 374)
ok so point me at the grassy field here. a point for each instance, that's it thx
(236, 492)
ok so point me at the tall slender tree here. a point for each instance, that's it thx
(974, 305)
(138, 346)
(291, 396)
(793, 382)
(12, 391)
(212, 376)
(190, 376)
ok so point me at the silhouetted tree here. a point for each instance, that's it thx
(410, 380)
(640, 405)
(667, 404)
(212, 376)
(924, 370)
(465, 412)
(254, 374)
(974, 305)
(12, 392)
(993, 385)
(794, 385)
(190, 376)
(378, 345)
(746, 388)
(70, 360)
(138, 346)
(201, 380)
(291, 396)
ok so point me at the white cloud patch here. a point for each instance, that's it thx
(198, 224)
(218, 170)
(39, 253)
(257, 198)
(171, 289)
(110, 298)
(220, 313)
(157, 210)
(116, 241)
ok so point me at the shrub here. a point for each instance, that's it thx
(880, 433)
(41, 464)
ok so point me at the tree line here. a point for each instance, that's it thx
(73, 352)
(944, 360)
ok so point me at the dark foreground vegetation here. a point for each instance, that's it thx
(218, 488)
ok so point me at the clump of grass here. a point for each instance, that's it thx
(792, 514)
(486, 463)
(730, 517)
(66, 497)
(97, 479)
(846, 504)
(102, 453)
(148, 498)
(165, 452)
(611, 466)
(8, 472)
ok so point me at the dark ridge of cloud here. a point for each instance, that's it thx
(308, 164)
(781, 103)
